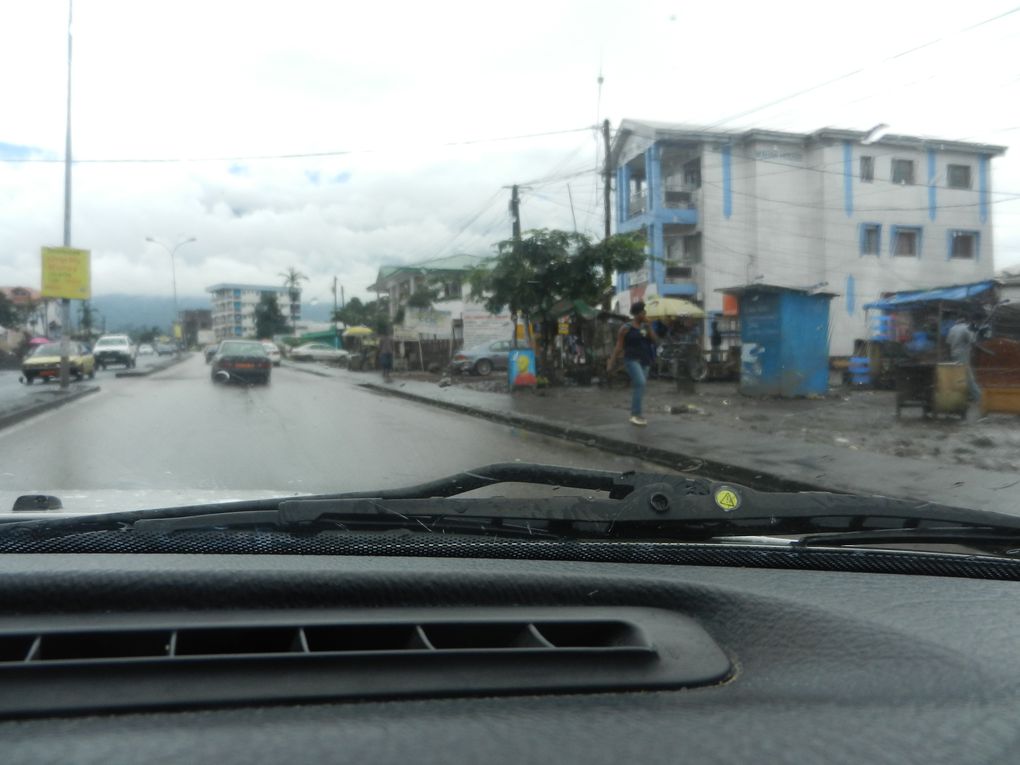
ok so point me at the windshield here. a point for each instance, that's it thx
(741, 242)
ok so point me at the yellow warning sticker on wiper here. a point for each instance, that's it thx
(727, 498)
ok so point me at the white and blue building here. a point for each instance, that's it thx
(823, 210)
(233, 307)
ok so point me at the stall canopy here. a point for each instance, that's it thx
(579, 307)
(358, 331)
(962, 293)
(668, 308)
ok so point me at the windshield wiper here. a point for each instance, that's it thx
(634, 506)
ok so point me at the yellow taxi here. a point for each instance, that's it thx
(43, 362)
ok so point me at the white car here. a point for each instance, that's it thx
(319, 352)
(146, 350)
(272, 352)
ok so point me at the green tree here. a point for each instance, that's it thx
(374, 313)
(546, 266)
(423, 297)
(292, 279)
(10, 316)
(269, 319)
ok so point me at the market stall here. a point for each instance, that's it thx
(680, 326)
(910, 345)
(361, 342)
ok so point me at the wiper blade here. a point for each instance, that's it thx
(635, 506)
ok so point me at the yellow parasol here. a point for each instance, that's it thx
(359, 331)
(669, 308)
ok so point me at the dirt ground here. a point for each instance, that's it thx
(847, 417)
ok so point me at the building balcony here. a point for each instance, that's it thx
(675, 206)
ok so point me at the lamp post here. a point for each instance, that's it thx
(173, 276)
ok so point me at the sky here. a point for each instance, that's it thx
(336, 138)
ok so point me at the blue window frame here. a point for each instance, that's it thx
(963, 245)
(905, 241)
(871, 239)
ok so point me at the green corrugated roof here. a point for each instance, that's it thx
(457, 263)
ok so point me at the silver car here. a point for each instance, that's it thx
(482, 359)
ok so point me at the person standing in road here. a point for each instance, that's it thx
(635, 342)
(961, 342)
(386, 355)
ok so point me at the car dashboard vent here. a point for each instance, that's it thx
(245, 657)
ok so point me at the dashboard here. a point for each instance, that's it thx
(769, 665)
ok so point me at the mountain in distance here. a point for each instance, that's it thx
(135, 313)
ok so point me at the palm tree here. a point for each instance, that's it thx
(292, 283)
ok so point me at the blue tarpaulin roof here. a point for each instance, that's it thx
(959, 294)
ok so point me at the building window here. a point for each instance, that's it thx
(906, 242)
(903, 171)
(958, 176)
(867, 169)
(871, 239)
(963, 245)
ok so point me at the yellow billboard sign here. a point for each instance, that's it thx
(66, 273)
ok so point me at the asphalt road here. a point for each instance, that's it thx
(176, 431)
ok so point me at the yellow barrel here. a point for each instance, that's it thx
(950, 388)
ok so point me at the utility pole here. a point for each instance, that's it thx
(336, 331)
(607, 186)
(65, 303)
(515, 215)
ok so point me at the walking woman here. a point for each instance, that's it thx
(635, 342)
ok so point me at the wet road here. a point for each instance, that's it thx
(175, 430)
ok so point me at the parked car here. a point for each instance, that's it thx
(44, 363)
(209, 351)
(482, 359)
(319, 352)
(115, 349)
(273, 352)
(244, 361)
(145, 350)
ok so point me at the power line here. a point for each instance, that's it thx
(302, 155)
(855, 72)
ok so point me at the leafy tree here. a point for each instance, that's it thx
(423, 297)
(292, 283)
(546, 266)
(10, 316)
(269, 319)
(87, 320)
(370, 314)
(149, 335)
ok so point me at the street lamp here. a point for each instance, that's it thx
(173, 271)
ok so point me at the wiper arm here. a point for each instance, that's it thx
(637, 506)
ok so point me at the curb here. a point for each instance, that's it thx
(307, 370)
(18, 415)
(686, 463)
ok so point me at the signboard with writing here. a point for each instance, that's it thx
(426, 323)
(483, 327)
(66, 273)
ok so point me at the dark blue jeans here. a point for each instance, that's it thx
(638, 377)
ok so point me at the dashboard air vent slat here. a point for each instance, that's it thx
(131, 661)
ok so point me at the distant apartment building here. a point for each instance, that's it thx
(233, 307)
(823, 210)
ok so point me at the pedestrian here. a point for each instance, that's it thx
(716, 341)
(386, 354)
(961, 341)
(635, 342)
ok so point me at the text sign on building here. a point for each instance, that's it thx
(66, 273)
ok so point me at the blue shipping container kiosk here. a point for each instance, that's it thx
(784, 338)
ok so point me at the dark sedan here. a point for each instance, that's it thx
(243, 361)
